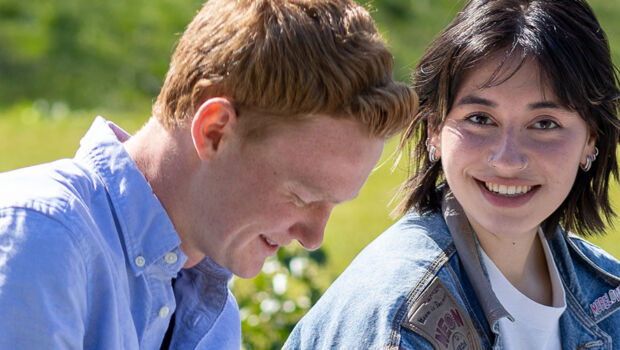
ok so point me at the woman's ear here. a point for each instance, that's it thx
(590, 149)
(433, 142)
(214, 121)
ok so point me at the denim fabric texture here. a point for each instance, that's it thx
(367, 306)
(87, 255)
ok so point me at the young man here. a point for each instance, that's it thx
(272, 113)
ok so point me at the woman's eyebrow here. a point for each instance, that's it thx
(476, 100)
(544, 104)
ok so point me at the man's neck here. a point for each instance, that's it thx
(165, 159)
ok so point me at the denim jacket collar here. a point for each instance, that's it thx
(468, 250)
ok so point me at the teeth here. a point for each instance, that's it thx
(507, 190)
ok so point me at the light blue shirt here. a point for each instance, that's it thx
(87, 255)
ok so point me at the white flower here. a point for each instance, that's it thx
(298, 266)
(279, 283)
(270, 306)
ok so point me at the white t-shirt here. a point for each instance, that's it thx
(535, 326)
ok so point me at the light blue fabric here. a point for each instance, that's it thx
(366, 306)
(87, 255)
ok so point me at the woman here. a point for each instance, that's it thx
(515, 142)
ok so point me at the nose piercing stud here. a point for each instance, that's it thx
(524, 162)
(490, 161)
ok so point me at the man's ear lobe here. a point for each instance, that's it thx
(214, 121)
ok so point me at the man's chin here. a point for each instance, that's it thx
(248, 272)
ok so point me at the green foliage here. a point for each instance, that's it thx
(273, 302)
(87, 53)
(115, 53)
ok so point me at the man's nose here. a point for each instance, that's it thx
(310, 233)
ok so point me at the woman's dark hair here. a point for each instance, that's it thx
(566, 41)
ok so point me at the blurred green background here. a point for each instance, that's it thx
(63, 62)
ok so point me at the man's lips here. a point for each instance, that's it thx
(269, 242)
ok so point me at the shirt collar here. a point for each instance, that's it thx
(143, 224)
(468, 250)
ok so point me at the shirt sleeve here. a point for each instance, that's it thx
(42, 283)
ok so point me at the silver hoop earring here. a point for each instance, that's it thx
(595, 154)
(589, 160)
(586, 167)
(431, 154)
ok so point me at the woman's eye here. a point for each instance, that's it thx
(480, 119)
(545, 124)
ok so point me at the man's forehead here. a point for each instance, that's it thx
(257, 126)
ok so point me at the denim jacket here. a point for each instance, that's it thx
(421, 285)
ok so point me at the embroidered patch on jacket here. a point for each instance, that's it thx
(605, 302)
(438, 317)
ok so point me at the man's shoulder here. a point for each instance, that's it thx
(366, 305)
(49, 201)
(53, 189)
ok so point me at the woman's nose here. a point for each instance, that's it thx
(508, 154)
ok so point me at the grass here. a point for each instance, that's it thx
(30, 134)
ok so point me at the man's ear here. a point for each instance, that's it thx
(215, 120)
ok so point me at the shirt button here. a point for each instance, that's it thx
(140, 261)
(164, 311)
(171, 257)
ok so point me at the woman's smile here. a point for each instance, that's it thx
(507, 196)
(507, 190)
(510, 152)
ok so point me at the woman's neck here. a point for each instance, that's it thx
(522, 261)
